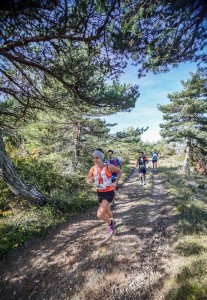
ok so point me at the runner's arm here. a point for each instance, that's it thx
(118, 163)
(113, 169)
(90, 178)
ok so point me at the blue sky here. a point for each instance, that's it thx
(153, 90)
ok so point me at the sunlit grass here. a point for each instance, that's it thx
(126, 171)
(18, 226)
(189, 280)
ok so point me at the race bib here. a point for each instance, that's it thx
(100, 186)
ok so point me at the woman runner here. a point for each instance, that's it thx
(101, 174)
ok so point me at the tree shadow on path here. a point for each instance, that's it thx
(78, 260)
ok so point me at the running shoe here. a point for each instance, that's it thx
(111, 228)
(112, 204)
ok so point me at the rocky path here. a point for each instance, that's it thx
(78, 261)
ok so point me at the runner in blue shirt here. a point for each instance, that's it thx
(113, 161)
(154, 156)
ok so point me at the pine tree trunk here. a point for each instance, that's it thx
(77, 145)
(10, 177)
(186, 165)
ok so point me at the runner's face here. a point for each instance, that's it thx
(110, 155)
(97, 160)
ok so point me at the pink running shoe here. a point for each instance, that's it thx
(111, 228)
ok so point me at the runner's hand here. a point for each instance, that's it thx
(114, 184)
(89, 180)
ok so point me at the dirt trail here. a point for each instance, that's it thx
(78, 261)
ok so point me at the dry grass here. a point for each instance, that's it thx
(188, 280)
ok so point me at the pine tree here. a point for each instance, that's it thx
(185, 116)
(81, 116)
(154, 34)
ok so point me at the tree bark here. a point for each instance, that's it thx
(186, 165)
(77, 141)
(10, 177)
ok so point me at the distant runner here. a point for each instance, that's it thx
(101, 174)
(141, 163)
(154, 156)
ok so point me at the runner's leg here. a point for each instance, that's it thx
(155, 165)
(113, 203)
(144, 176)
(104, 212)
(141, 176)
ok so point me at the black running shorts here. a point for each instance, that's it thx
(109, 196)
(142, 170)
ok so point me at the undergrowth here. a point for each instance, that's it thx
(189, 195)
(20, 221)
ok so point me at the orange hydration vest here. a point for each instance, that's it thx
(102, 178)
